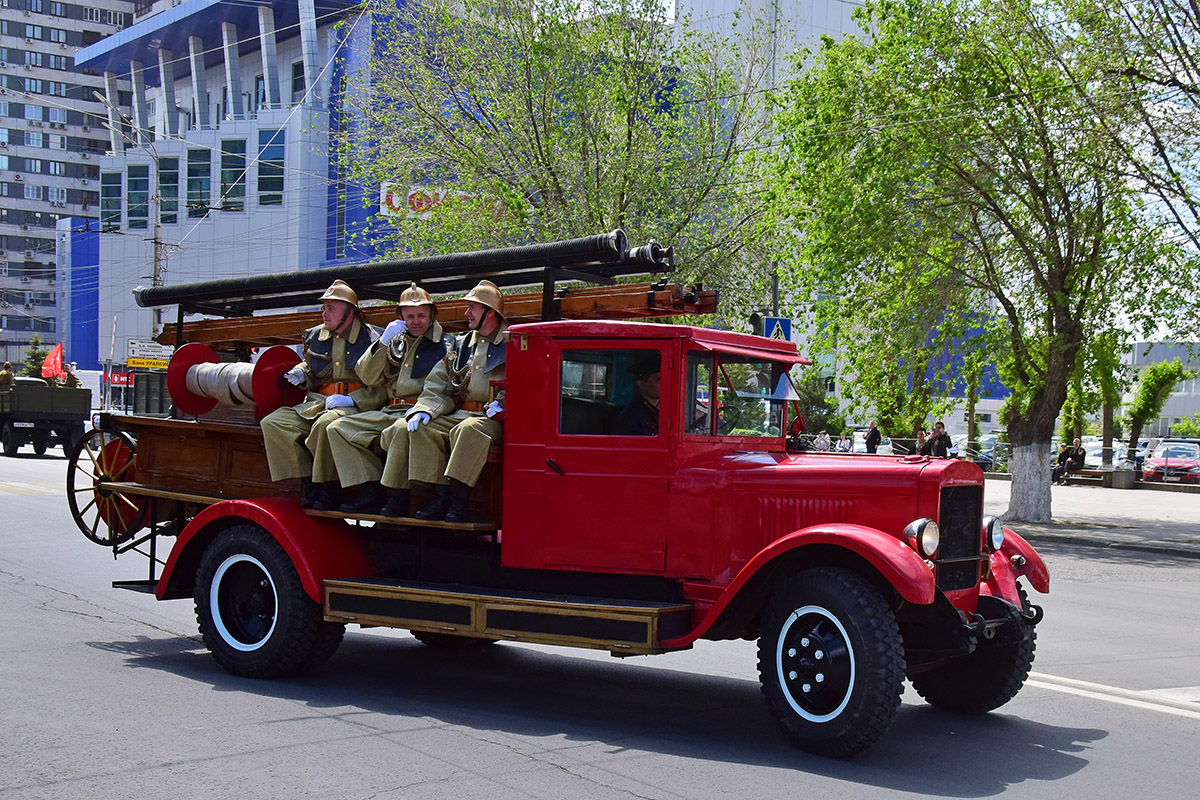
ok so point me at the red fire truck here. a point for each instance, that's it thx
(853, 572)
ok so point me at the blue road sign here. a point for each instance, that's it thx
(777, 328)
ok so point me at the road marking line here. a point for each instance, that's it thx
(20, 488)
(1113, 694)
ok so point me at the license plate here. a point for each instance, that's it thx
(22, 424)
(1170, 477)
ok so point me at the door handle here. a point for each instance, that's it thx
(550, 463)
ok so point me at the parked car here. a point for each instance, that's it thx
(860, 444)
(1173, 462)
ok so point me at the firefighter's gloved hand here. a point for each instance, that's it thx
(418, 419)
(493, 408)
(295, 375)
(395, 328)
(338, 401)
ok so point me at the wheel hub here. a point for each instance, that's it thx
(816, 664)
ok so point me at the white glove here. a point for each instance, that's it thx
(295, 375)
(394, 329)
(338, 401)
(418, 419)
(493, 408)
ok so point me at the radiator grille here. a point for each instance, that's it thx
(960, 518)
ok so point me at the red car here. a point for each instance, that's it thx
(1173, 462)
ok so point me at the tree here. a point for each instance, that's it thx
(1154, 388)
(1188, 427)
(537, 120)
(35, 354)
(952, 169)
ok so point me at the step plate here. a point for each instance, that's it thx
(621, 626)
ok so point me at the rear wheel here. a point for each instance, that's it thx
(831, 661)
(254, 614)
(41, 443)
(987, 678)
(9, 437)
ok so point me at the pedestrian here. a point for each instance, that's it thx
(6, 375)
(822, 442)
(844, 445)
(873, 438)
(938, 445)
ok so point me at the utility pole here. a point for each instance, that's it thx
(156, 277)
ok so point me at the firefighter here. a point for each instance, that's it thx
(408, 350)
(459, 413)
(295, 437)
(6, 375)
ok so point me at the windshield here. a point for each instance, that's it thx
(750, 395)
(1177, 451)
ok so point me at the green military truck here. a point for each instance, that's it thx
(33, 412)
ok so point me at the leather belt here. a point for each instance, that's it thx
(403, 401)
(339, 387)
(471, 405)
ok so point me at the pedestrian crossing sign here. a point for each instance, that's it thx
(777, 328)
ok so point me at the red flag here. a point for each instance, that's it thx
(52, 367)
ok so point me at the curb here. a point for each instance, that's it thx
(1160, 548)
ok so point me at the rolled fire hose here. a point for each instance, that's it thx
(228, 383)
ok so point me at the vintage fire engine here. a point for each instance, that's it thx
(853, 572)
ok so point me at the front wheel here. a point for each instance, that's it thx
(9, 438)
(254, 614)
(831, 661)
(987, 678)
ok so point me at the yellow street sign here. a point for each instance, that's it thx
(146, 363)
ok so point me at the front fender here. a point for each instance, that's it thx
(1034, 568)
(319, 548)
(899, 565)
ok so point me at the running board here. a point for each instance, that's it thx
(623, 627)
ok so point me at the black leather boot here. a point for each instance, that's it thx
(397, 504)
(460, 494)
(438, 508)
(331, 497)
(369, 500)
(309, 493)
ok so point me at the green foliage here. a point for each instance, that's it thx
(817, 409)
(1154, 388)
(539, 120)
(1187, 427)
(35, 354)
(953, 164)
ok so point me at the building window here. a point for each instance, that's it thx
(33, 139)
(33, 31)
(58, 89)
(199, 177)
(4, 165)
(33, 85)
(298, 84)
(33, 192)
(58, 9)
(33, 112)
(58, 141)
(58, 168)
(91, 14)
(110, 201)
(34, 6)
(116, 18)
(260, 92)
(33, 59)
(271, 153)
(33, 165)
(4, 111)
(58, 35)
(57, 194)
(233, 174)
(58, 62)
(137, 196)
(168, 190)
(57, 115)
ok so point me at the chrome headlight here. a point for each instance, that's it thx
(923, 536)
(993, 533)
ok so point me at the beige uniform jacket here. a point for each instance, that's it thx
(487, 357)
(336, 356)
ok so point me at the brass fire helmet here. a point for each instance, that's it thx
(415, 296)
(340, 290)
(488, 294)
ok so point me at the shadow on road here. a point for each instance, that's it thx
(510, 690)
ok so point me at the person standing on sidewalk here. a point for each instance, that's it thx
(873, 438)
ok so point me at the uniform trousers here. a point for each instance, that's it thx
(351, 440)
(454, 446)
(298, 447)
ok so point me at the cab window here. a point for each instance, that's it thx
(609, 392)
(736, 395)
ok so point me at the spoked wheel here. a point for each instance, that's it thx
(105, 515)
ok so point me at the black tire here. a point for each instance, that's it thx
(451, 641)
(40, 445)
(987, 678)
(831, 661)
(253, 613)
(9, 438)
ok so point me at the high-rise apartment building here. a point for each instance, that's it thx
(52, 132)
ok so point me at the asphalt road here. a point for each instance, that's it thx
(110, 694)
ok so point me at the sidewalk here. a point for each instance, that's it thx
(1156, 522)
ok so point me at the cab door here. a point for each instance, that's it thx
(606, 474)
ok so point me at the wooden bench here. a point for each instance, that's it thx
(1089, 477)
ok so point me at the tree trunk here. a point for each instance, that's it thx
(1029, 500)
(1135, 433)
(1106, 433)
